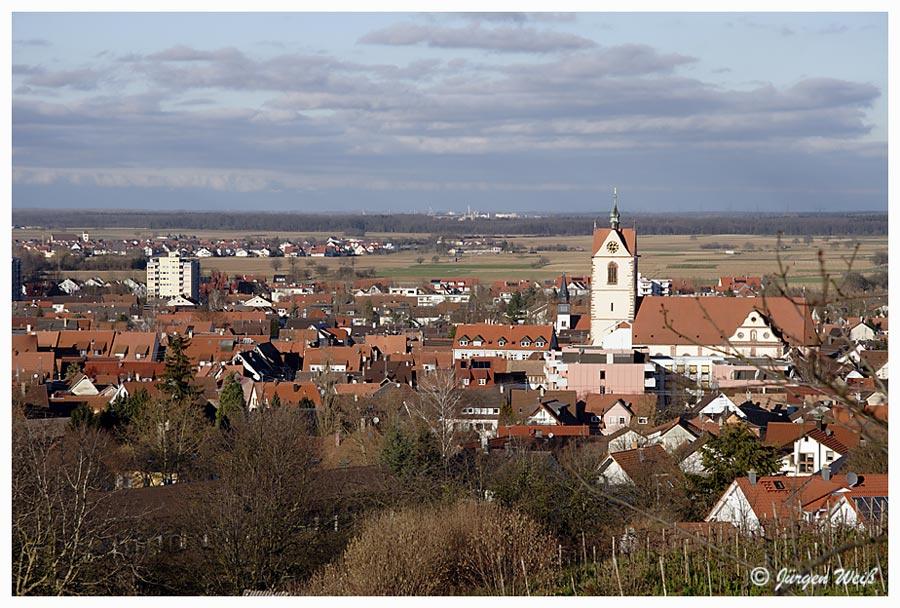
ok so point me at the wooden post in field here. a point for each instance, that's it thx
(616, 567)
(709, 578)
(662, 571)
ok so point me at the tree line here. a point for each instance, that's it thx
(820, 224)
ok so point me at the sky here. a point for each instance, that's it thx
(507, 111)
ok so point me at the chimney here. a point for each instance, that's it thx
(751, 474)
(826, 473)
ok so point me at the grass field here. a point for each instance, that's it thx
(675, 257)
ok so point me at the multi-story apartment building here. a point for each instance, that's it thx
(168, 277)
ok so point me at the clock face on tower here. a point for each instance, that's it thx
(612, 247)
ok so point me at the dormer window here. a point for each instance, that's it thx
(539, 343)
(525, 343)
(477, 341)
(501, 342)
(463, 341)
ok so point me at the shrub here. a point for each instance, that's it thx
(464, 548)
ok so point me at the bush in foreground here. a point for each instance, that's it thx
(464, 548)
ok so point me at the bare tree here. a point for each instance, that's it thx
(438, 406)
(166, 438)
(329, 417)
(256, 518)
(63, 533)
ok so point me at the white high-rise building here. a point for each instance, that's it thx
(172, 276)
(614, 277)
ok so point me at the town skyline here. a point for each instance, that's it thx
(399, 112)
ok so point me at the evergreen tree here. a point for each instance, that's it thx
(411, 454)
(275, 403)
(231, 401)
(176, 379)
(124, 409)
(727, 456)
(82, 415)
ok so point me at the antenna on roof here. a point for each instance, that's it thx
(852, 479)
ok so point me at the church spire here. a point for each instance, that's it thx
(564, 291)
(614, 214)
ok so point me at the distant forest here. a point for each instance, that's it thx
(816, 224)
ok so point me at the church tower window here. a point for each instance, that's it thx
(612, 274)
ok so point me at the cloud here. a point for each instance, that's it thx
(833, 28)
(317, 123)
(31, 42)
(499, 39)
(84, 79)
(186, 53)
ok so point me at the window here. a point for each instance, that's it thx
(753, 335)
(477, 342)
(612, 274)
(539, 343)
(806, 462)
(525, 343)
(501, 342)
(829, 456)
(622, 420)
(465, 382)
(464, 342)
(482, 381)
(603, 374)
(642, 420)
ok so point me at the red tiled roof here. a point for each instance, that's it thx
(642, 462)
(694, 320)
(512, 334)
(769, 501)
(781, 434)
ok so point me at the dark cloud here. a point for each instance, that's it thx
(433, 128)
(499, 39)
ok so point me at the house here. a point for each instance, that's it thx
(673, 434)
(290, 394)
(874, 363)
(752, 504)
(507, 341)
(135, 346)
(262, 363)
(640, 466)
(613, 412)
(807, 447)
(553, 413)
(69, 286)
(861, 331)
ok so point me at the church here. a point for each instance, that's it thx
(683, 325)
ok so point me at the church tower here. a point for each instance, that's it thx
(563, 314)
(613, 276)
